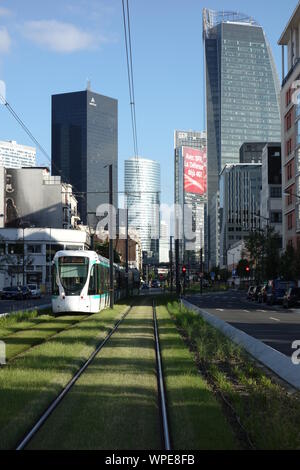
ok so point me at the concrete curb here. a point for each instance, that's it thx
(274, 360)
(38, 307)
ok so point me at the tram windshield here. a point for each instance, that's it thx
(73, 272)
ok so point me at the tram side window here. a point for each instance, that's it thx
(93, 282)
(55, 288)
(99, 279)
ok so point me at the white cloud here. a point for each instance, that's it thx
(5, 41)
(58, 36)
(4, 11)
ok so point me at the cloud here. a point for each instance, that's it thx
(5, 41)
(4, 11)
(59, 37)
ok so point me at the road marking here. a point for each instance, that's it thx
(247, 311)
(275, 319)
(263, 311)
(220, 309)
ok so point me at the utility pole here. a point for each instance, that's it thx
(23, 256)
(201, 271)
(177, 275)
(127, 249)
(111, 241)
(171, 263)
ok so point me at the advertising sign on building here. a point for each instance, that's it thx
(195, 174)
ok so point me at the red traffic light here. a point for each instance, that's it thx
(183, 269)
(247, 269)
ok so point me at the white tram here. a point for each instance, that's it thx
(80, 282)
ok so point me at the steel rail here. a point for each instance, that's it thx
(69, 385)
(161, 386)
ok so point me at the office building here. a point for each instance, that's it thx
(31, 197)
(290, 130)
(242, 94)
(240, 190)
(164, 243)
(84, 143)
(27, 254)
(271, 192)
(190, 189)
(13, 155)
(142, 188)
(251, 152)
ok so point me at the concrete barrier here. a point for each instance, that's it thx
(274, 360)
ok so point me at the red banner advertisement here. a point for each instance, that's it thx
(195, 175)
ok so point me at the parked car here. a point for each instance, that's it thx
(250, 292)
(26, 292)
(155, 284)
(35, 291)
(291, 297)
(262, 295)
(11, 293)
(144, 286)
(276, 291)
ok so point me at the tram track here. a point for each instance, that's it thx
(161, 395)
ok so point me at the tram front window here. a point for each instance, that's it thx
(73, 271)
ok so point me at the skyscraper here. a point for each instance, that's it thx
(84, 142)
(190, 188)
(142, 187)
(242, 95)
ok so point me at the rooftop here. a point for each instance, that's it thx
(292, 23)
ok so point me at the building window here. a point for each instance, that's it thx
(288, 147)
(276, 217)
(275, 192)
(290, 221)
(34, 248)
(289, 171)
(288, 97)
(288, 121)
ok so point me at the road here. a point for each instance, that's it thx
(7, 306)
(274, 326)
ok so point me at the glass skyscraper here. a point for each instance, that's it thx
(242, 95)
(142, 187)
(84, 142)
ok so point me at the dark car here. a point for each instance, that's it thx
(262, 295)
(276, 291)
(145, 286)
(291, 297)
(250, 292)
(26, 292)
(11, 293)
(155, 284)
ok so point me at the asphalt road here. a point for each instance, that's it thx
(7, 306)
(275, 326)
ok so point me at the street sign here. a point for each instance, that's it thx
(212, 276)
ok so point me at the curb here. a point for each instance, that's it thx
(274, 360)
(29, 309)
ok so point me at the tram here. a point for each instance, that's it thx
(80, 281)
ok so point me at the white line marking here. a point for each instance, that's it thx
(247, 311)
(275, 319)
(263, 311)
(219, 309)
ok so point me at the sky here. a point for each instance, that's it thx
(54, 47)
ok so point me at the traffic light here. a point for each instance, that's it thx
(183, 271)
(247, 269)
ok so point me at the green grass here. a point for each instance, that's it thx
(114, 403)
(21, 320)
(196, 417)
(269, 414)
(30, 383)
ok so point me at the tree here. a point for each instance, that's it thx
(264, 251)
(102, 248)
(241, 268)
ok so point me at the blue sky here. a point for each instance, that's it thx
(48, 48)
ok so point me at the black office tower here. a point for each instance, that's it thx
(84, 143)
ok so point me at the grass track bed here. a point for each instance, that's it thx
(267, 412)
(114, 403)
(29, 384)
(196, 418)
